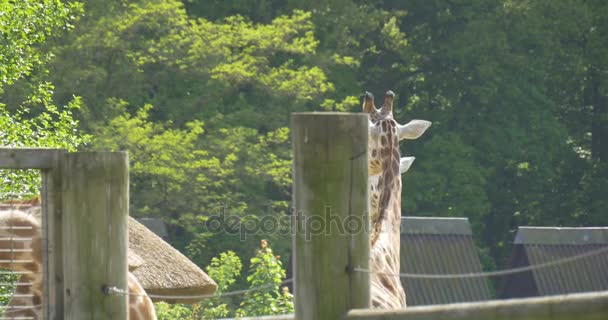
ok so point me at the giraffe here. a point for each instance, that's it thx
(20, 251)
(385, 169)
(19, 243)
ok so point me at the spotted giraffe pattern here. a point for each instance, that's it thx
(19, 243)
(20, 251)
(384, 169)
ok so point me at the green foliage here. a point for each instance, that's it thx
(187, 175)
(7, 288)
(266, 277)
(452, 184)
(25, 24)
(165, 311)
(189, 67)
(223, 270)
(264, 298)
(24, 27)
(54, 127)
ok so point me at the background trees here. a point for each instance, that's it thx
(199, 93)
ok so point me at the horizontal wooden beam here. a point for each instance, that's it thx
(28, 158)
(580, 306)
(280, 317)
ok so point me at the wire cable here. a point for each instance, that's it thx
(123, 292)
(497, 273)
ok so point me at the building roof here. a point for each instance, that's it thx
(165, 271)
(542, 245)
(155, 225)
(440, 246)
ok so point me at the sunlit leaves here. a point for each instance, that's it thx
(268, 298)
(53, 127)
(23, 25)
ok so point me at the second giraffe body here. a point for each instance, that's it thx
(20, 251)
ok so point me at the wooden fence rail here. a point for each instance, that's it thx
(581, 306)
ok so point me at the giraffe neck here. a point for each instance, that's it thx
(385, 211)
(385, 180)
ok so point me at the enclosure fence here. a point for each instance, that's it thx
(82, 237)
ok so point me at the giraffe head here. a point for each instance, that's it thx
(410, 131)
(385, 164)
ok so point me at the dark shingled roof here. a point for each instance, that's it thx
(539, 245)
(156, 225)
(440, 246)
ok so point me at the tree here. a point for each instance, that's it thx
(266, 297)
(26, 24)
(54, 127)
(188, 175)
(151, 52)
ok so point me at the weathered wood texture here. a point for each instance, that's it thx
(280, 317)
(331, 219)
(28, 158)
(582, 306)
(95, 203)
(52, 239)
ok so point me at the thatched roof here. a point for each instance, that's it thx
(165, 271)
(134, 261)
(159, 267)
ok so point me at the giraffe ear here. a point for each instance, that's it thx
(405, 164)
(389, 97)
(413, 129)
(368, 103)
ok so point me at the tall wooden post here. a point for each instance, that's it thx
(95, 212)
(331, 220)
(52, 236)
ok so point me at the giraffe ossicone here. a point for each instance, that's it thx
(385, 166)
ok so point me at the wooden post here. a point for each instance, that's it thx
(52, 237)
(331, 220)
(95, 212)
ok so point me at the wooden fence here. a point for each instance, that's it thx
(85, 204)
(580, 306)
